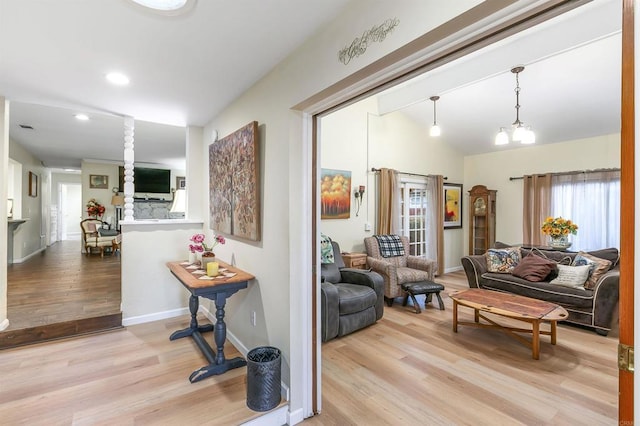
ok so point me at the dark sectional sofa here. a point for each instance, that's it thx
(593, 308)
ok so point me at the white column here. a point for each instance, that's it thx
(128, 168)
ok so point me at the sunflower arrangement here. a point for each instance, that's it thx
(557, 226)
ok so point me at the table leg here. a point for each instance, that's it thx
(476, 315)
(554, 330)
(220, 330)
(455, 316)
(193, 326)
(221, 364)
(535, 340)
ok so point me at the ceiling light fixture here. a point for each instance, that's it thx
(82, 117)
(118, 78)
(520, 133)
(166, 7)
(435, 129)
(162, 4)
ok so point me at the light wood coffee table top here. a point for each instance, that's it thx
(513, 306)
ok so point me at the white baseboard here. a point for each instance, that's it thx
(277, 417)
(295, 417)
(141, 319)
(24, 259)
(284, 389)
(454, 269)
(4, 324)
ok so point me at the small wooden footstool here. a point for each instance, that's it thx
(428, 288)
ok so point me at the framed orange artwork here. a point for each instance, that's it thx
(335, 194)
(452, 205)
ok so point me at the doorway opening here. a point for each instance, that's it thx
(354, 153)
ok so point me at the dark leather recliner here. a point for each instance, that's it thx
(351, 298)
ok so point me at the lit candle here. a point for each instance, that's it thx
(212, 269)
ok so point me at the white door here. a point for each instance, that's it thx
(70, 211)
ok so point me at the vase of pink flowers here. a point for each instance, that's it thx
(198, 246)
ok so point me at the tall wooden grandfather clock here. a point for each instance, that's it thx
(482, 219)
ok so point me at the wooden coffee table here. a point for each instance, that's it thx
(512, 306)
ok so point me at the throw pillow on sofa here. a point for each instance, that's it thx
(534, 268)
(597, 267)
(571, 276)
(502, 260)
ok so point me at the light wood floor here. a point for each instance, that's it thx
(412, 369)
(131, 376)
(407, 369)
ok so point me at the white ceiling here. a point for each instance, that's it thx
(570, 87)
(185, 69)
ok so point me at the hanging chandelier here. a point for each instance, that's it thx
(520, 132)
(435, 129)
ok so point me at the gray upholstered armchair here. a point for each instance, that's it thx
(398, 270)
(351, 298)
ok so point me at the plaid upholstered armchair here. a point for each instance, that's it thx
(397, 267)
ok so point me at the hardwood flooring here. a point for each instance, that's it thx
(131, 376)
(61, 292)
(407, 369)
(412, 369)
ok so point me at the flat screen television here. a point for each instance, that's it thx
(155, 181)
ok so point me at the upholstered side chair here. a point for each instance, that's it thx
(94, 241)
(398, 270)
(351, 299)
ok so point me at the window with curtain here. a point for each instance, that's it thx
(591, 200)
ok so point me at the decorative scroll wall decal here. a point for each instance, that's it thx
(359, 45)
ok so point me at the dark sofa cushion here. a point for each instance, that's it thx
(565, 296)
(534, 268)
(610, 254)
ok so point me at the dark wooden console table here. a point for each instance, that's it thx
(218, 290)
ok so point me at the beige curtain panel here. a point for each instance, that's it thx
(387, 202)
(439, 193)
(536, 207)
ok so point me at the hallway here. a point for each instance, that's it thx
(61, 292)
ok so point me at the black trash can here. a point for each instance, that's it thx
(263, 378)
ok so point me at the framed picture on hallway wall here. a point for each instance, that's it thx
(98, 181)
(234, 183)
(452, 205)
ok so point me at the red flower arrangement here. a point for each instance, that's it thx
(95, 209)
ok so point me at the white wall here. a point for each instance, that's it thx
(276, 258)
(27, 240)
(149, 290)
(103, 196)
(344, 146)
(4, 169)
(493, 170)
(356, 139)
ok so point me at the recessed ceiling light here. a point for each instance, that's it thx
(118, 78)
(82, 117)
(164, 5)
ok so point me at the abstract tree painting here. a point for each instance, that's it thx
(335, 190)
(234, 197)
